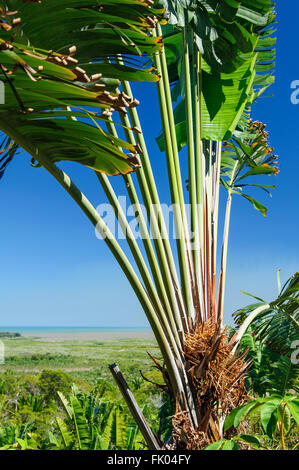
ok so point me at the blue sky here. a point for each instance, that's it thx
(55, 272)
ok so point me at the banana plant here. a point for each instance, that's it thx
(65, 83)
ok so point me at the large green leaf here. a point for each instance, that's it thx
(8, 149)
(224, 30)
(81, 425)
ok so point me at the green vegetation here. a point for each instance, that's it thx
(39, 378)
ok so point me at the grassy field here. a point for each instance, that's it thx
(85, 359)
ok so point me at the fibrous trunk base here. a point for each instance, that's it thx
(217, 381)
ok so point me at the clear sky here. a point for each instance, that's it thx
(55, 272)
